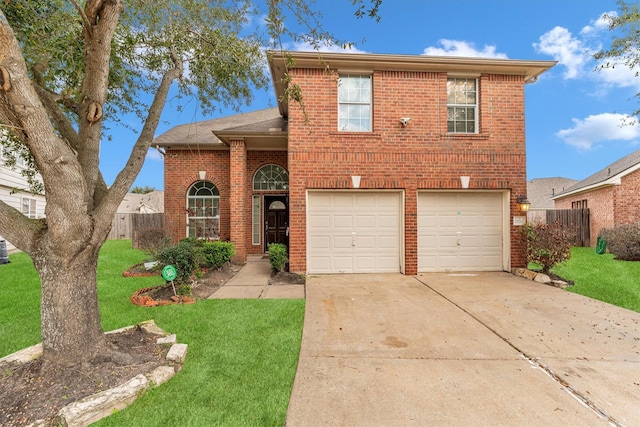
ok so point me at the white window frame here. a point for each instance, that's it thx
(255, 219)
(29, 207)
(349, 96)
(457, 104)
(271, 177)
(206, 190)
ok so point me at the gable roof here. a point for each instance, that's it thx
(541, 190)
(202, 135)
(152, 202)
(610, 175)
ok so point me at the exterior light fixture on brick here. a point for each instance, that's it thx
(524, 203)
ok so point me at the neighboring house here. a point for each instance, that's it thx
(611, 195)
(14, 190)
(540, 191)
(152, 202)
(367, 179)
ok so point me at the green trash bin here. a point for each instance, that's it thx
(601, 246)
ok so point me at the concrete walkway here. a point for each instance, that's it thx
(252, 281)
(487, 349)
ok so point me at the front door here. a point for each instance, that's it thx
(276, 224)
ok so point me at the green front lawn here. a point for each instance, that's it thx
(241, 359)
(602, 277)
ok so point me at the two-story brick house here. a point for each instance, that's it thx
(396, 163)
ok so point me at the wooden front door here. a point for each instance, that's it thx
(276, 225)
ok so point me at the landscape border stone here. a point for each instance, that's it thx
(539, 277)
(100, 405)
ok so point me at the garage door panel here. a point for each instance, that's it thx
(342, 242)
(460, 231)
(373, 217)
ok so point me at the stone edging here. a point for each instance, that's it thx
(539, 277)
(93, 408)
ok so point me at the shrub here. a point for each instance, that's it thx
(218, 253)
(152, 239)
(184, 257)
(547, 244)
(623, 241)
(278, 257)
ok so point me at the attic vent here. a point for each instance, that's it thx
(608, 171)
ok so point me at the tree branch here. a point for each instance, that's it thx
(17, 228)
(50, 101)
(128, 174)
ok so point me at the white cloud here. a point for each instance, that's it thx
(598, 25)
(462, 48)
(594, 129)
(566, 49)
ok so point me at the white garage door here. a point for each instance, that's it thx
(353, 232)
(460, 231)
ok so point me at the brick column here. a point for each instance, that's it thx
(237, 198)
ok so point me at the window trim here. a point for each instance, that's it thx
(32, 209)
(214, 196)
(475, 106)
(256, 204)
(369, 77)
(278, 185)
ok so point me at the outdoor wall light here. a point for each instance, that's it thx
(524, 203)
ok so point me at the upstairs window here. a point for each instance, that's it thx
(462, 105)
(203, 211)
(354, 103)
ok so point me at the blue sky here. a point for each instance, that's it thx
(573, 113)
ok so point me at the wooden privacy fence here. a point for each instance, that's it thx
(573, 219)
(128, 225)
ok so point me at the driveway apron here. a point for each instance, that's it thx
(462, 349)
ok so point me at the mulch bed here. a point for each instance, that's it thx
(28, 394)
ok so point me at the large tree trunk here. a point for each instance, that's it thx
(71, 329)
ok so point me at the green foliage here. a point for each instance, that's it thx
(278, 257)
(547, 244)
(184, 257)
(602, 277)
(625, 45)
(217, 253)
(142, 190)
(623, 241)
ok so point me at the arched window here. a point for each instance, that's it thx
(203, 211)
(271, 177)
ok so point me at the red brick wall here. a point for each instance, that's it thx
(181, 171)
(627, 200)
(419, 156)
(601, 208)
(609, 206)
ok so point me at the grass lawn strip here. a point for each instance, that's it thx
(242, 353)
(602, 277)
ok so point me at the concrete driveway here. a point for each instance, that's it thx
(480, 349)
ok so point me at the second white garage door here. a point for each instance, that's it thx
(353, 232)
(460, 231)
